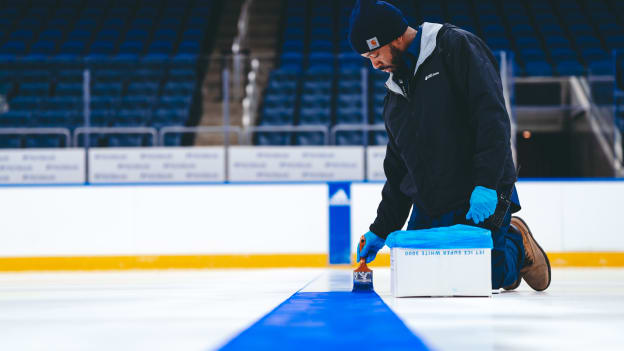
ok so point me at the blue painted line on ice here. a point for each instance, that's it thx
(328, 321)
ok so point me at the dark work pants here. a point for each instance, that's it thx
(508, 251)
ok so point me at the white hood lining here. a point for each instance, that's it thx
(427, 45)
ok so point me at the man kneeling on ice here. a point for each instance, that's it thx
(449, 152)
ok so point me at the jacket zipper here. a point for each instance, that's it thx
(413, 78)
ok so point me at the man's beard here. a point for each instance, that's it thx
(395, 61)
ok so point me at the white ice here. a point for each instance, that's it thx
(202, 309)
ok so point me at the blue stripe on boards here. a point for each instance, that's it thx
(322, 321)
(339, 223)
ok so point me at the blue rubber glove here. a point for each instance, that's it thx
(373, 244)
(482, 204)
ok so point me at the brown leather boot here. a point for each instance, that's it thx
(536, 269)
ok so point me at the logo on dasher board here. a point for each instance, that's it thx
(340, 198)
(373, 43)
(431, 75)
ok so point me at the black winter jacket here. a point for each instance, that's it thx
(450, 134)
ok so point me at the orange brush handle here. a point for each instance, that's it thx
(362, 267)
(362, 243)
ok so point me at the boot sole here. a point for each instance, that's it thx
(513, 286)
(543, 253)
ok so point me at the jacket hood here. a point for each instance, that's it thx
(427, 45)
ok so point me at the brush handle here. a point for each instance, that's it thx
(362, 243)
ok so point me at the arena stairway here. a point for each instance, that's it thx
(263, 26)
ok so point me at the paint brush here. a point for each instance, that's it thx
(362, 276)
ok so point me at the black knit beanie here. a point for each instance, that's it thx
(374, 24)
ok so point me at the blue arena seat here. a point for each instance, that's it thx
(173, 139)
(130, 117)
(550, 28)
(51, 118)
(73, 47)
(68, 89)
(349, 115)
(34, 89)
(315, 115)
(126, 140)
(292, 46)
(587, 41)
(291, 60)
(179, 88)
(189, 34)
(169, 117)
(349, 138)
(527, 43)
(281, 115)
(101, 47)
(140, 102)
(131, 47)
(380, 138)
(33, 75)
(278, 138)
(182, 74)
(321, 46)
(594, 54)
(570, 68)
(615, 41)
(498, 43)
(10, 142)
(143, 88)
(14, 118)
(557, 42)
(562, 54)
(174, 102)
(309, 138)
(601, 68)
(538, 68)
(63, 103)
(137, 34)
(109, 35)
(533, 55)
(277, 99)
(161, 46)
(321, 60)
(22, 35)
(13, 48)
(351, 87)
(350, 62)
(24, 103)
(107, 89)
(189, 47)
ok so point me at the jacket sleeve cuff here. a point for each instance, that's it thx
(486, 181)
(379, 230)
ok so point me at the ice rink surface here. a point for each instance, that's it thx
(204, 309)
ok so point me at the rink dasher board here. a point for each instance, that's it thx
(157, 164)
(42, 166)
(299, 164)
(440, 272)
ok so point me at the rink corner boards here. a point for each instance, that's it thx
(251, 261)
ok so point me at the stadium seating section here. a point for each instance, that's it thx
(318, 79)
(142, 57)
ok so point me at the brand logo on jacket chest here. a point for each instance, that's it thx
(431, 75)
